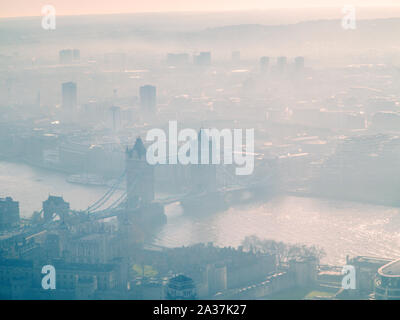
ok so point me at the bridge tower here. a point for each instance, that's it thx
(139, 177)
(204, 176)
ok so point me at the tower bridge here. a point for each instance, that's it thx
(204, 195)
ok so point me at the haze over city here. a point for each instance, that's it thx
(200, 150)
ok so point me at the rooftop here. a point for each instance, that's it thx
(60, 265)
(392, 269)
(6, 199)
(16, 263)
(181, 282)
(93, 236)
(369, 260)
(55, 199)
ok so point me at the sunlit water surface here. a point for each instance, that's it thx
(341, 228)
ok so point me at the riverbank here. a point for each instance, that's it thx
(30, 186)
(340, 227)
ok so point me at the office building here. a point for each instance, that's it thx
(203, 59)
(299, 63)
(235, 56)
(174, 59)
(148, 99)
(68, 56)
(387, 281)
(9, 213)
(264, 63)
(69, 95)
(281, 64)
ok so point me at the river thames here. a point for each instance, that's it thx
(339, 227)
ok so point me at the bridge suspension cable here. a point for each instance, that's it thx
(115, 203)
(97, 204)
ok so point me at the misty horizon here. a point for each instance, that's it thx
(199, 151)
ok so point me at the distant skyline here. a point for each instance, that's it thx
(19, 8)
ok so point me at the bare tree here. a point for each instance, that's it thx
(283, 251)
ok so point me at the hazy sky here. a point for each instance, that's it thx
(12, 8)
